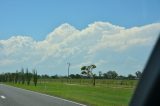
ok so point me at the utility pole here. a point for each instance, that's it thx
(68, 70)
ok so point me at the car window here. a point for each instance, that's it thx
(87, 52)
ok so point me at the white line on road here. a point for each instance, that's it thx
(46, 95)
(3, 97)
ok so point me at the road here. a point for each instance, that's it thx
(12, 96)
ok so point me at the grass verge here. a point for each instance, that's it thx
(89, 95)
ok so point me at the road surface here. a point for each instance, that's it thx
(12, 96)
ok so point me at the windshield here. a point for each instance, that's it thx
(89, 52)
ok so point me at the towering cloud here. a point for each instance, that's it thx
(107, 45)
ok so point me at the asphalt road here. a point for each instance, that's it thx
(12, 96)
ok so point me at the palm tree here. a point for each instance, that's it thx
(87, 70)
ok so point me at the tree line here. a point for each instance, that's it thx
(20, 77)
(25, 76)
(87, 71)
(107, 75)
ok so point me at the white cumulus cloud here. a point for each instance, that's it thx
(66, 43)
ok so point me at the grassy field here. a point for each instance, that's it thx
(108, 93)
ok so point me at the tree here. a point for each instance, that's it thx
(121, 77)
(13, 75)
(72, 76)
(75, 76)
(87, 70)
(110, 75)
(54, 76)
(28, 76)
(45, 76)
(138, 74)
(22, 76)
(130, 76)
(100, 74)
(19, 77)
(35, 77)
(16, 77)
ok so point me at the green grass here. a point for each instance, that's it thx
(86, 94)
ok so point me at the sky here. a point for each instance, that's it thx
(46, 34)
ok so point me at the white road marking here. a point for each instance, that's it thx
(3, 97)
(47, 95)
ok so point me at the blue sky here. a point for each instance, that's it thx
(113, 34)
(37, 18)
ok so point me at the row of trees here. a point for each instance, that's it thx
(22, 76)
(25, 77)
(106, 75)
(87, 70)
(114, 75)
